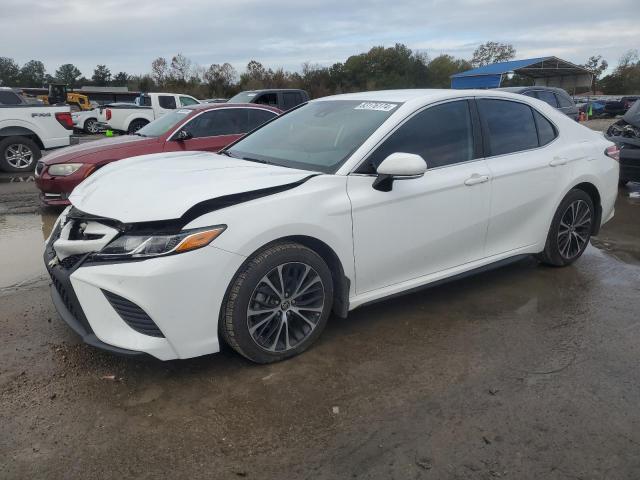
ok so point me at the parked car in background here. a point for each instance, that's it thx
(592, 108)
(9, 96)
(129, 118)
(284, 99)
(87, 121)
(207, 127)
(344, 201)
(214, 100)
(626, 134)
(26, 130)
(556, 97)
(613, 108)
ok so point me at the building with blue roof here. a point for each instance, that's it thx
(545, 71)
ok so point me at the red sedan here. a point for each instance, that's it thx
(207, 126)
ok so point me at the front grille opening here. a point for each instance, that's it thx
(133, 315)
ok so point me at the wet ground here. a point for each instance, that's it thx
(523, 372)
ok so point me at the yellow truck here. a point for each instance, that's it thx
(58, 93)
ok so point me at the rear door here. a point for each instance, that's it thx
(527, 167)
(212, 130)
(428, 224)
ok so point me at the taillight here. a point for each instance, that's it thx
(108, 114)
(613, 152)
(64, 119)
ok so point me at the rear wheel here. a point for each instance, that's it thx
(570, 230)
(91, 126)
(135, 126)
(18, 154)
(278, 303)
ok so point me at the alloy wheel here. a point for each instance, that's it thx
(19, 156)
(285, 307)
(575, 229)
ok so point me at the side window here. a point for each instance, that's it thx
(167, 101)
(546, 130)
(144, 100)
(187, 101)
(257, 117)
(230, 121)
(9, 98)
(291, 99)
(267, 99)
(548, 97)
(442, 135)
(510, 126)
(565, 101)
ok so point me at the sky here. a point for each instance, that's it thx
(128, 35)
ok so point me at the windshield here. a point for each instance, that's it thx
(162, 125)
(242, 97)
(318, 136)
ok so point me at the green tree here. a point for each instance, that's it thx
(121, 79)
(101, 75)
(597, 65)
(146, 84)
(492, 52)
(625, 79)
(220, 79)
(9, 72)
(33, 74)
(442, 67)
(69, 74)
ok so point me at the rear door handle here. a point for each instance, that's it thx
(557, 161)
(476, 179)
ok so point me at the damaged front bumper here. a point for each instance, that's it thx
(166, 307)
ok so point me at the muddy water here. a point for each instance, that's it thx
(21, 246)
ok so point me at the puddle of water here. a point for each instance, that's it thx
(21, 246)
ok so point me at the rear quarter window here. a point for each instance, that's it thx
(546, 131)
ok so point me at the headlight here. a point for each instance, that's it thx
(64, 169)
(142, 246)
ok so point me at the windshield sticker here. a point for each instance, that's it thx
(184, 112)
(380, 107)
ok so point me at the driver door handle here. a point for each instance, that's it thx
(475, 179)
(557, 161)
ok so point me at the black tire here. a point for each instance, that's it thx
(248, 285)
(90, 126)
(18, 154)
(567, 239)
(136, 125)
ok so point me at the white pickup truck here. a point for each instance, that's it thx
(128, 117)
(26, 130)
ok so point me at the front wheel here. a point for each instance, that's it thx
(91, 126)
(278, 303)
(570, 230)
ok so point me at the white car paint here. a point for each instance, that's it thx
(80, 118)
(34, 120)
(446, 222)
(122, 115)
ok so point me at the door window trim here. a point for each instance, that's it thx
(478, 149)
(170, 138)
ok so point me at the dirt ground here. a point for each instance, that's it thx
(523, 372)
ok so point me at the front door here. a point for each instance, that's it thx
(429, 224)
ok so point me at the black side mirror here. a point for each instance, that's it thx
(183, 135)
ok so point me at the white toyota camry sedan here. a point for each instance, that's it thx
(340, 202)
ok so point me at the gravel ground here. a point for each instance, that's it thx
(523, 372)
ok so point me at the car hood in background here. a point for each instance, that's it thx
(164, 186)
(76, 152)
(633, 114)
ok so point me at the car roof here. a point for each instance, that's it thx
(213, 106)
(415, 94)
(261, 90)
(530, 87)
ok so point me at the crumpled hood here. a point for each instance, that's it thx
(164, 186)
(74, 152)
(633, 114)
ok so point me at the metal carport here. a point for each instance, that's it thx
(545, 71)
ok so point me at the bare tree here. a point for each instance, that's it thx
(492, 52)
(180, 68)
(159, 71)
(597, 65)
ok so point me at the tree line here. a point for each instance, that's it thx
(379, 68)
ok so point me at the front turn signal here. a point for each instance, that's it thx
(199, 239)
